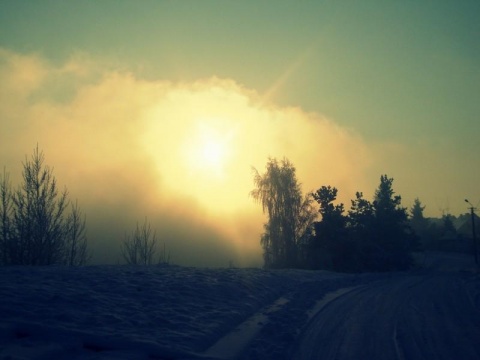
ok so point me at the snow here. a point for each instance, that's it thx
(174, 312)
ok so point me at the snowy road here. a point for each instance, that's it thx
(410, 316)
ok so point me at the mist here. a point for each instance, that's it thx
(129, 149)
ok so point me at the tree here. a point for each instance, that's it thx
(418, 222)
(360, 226)
(416, 210)
(164, 257)
(139, 247)
(391, 230)
(448, 226)
(374, 236)
(6, 211)
(76, 246)
(329, 244)
(290, 215)
(39, 222)
(417, 219)
(361, 215)
(35, 226)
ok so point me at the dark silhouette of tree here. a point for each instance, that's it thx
(6, 214)
(164, 256)
(418, 222)
(416, 211)
(330, 234)
(448, 226)
(360, 225)
(374, 236)
(361, 215)
(35, 226)
(39, 222)
(289, 213)
(392, 232)
(139, 247)
(76, 246)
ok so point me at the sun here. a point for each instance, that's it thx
(208, 150)
(212, 153)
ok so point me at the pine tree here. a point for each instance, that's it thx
(35, 226)
(391, 231)
(329, 244)
(418, 222)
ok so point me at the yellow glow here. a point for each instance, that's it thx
(182, 152)
(208, 150)
(212, 153)
(203, 140)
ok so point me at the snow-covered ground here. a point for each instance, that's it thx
(125, 312)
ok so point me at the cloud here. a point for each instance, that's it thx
(179, 153)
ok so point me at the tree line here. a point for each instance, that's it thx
(371, 236)
(442, 234)
(39, 225)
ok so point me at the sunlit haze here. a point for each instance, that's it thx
(161, 109)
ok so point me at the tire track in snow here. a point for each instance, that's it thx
(404, 316)
(233, 344)
(329, 297)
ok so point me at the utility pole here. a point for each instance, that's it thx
(472, 212)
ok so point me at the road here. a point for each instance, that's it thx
(434, 315)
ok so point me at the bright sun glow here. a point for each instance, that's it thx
(212, 153)
(208, 150)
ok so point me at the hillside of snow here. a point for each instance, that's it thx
(132, 312)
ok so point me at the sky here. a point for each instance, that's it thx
(160, 109)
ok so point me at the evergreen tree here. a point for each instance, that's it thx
(35, 226)
(449, 229)
(329, 244)
(39, 222)
(361, 213)
(360, 225)
(391, 231)
(418, 222)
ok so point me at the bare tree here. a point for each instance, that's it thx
(76, 247)
(6, 210)
(139, 247)
(164, 257)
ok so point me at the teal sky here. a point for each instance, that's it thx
(404, 70)
(396, 72)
